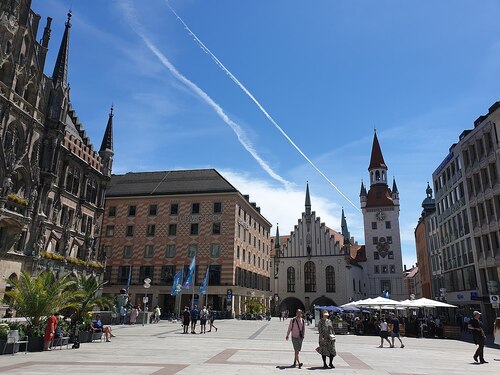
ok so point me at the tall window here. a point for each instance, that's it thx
(145, 272)
(290, 280)
(330, 279)
(174, 209)
(214, 275)
(192, 250)
(167, 275)
(127, 251)
(310, 277)
(170, 251)
(151, 229)
(149, 251)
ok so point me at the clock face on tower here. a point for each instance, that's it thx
(380, 215)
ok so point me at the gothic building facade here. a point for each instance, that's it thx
(316, 265)
(52, 179)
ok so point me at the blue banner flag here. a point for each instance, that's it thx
(177, 286)
(188, 284)
(203, 286)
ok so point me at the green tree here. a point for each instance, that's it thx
(254, 306)
(87, 296)
(36, 298)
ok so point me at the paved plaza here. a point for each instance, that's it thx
(247, 347)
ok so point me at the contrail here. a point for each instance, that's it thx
(257, 103)
(240, 133)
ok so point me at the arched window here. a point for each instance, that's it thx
(377, 176)
(310, 277)
(330, 279)
(290, 280)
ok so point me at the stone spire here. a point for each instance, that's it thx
(308, 200)
(106, 151)
(394, 186)
(345, 230)
(107, 140)
(277, 243)
(60, 74)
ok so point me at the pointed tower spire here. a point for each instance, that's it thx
(107, 140)
(377, 168)
(345, 230)
(60, 74)
(308, 200)
(277, 242)
(376, 159)
(362, 192)
(106, 151)
(394, 186)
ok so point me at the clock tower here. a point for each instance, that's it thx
(380, 207)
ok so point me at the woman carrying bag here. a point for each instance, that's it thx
(326, 339)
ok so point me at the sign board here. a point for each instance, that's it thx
(494, 298)
(495, 305)
(229, 295)
(145, 299)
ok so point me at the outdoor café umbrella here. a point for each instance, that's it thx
(426, 302)
(378, 302)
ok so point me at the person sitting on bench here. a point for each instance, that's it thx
(97, 326)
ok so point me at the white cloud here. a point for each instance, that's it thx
(283, 205)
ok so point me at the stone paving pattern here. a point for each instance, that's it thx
(247, 347)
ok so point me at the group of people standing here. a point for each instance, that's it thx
(326, 348)
(191, 317)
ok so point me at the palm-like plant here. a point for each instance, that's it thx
(35, 298)
(87, 296)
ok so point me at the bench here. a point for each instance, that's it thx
(96, 335)
(60, 341)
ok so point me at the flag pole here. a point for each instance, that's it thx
(180, 296)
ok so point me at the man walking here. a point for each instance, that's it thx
(395, 330)
(203, 319)
(194, 318)
(476, 326)
(297, 329)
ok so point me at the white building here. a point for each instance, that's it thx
(380, 207)
(314, 265)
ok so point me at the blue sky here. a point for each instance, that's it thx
(328, 74)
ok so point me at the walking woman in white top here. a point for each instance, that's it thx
(384, 333)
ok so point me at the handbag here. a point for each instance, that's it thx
(332, 337)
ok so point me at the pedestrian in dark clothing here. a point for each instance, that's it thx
(186, 317)
(476, 326)
(194, 318)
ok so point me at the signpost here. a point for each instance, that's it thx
(495, 301)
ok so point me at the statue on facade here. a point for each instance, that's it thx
(7, 186)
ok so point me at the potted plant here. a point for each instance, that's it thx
(36, 298)
(87, 297)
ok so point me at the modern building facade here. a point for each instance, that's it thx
(380, 208)
(155, 223)
(53, 180)
(314, 265)
(480, 152)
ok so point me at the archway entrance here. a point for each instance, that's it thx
(324, 301)
(291, 304)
